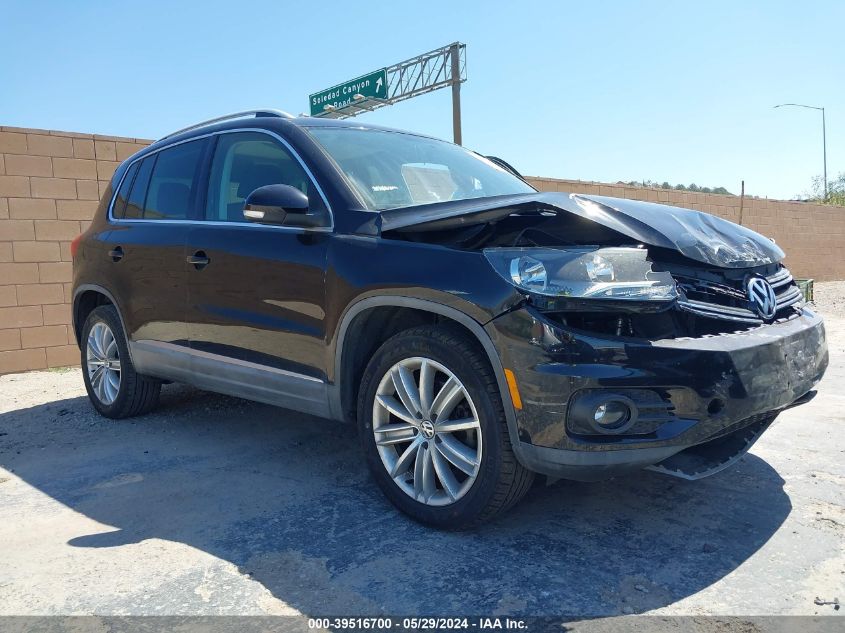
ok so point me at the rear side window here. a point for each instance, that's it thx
(173, 182)
(165, 184)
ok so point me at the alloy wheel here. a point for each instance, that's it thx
(427, 431)
(103, 363)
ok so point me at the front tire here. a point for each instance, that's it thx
(114, 387)
(433, 430)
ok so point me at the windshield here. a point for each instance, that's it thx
(395, 169)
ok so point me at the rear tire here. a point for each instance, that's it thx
(468, 472)
(114, 387)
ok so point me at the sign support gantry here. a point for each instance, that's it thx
(442, 67)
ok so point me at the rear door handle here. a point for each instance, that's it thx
(199, 260)
(116, 254)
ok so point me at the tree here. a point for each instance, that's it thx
(835, 190)
(665, 185)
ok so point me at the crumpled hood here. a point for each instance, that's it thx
(699, 236)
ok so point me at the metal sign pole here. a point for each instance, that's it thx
(455, 53)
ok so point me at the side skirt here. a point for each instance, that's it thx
(231, 376)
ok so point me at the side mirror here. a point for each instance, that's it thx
(279, 204)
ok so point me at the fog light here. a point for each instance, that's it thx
(612, 415)
(601, 411)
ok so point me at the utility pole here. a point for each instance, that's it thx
(455, 56)
(824, 149)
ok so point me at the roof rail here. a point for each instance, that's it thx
(264, 112)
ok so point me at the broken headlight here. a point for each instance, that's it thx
(583, 273)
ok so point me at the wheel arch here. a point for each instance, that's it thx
(86, 298)
(351, 351)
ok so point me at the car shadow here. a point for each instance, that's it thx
(287, 498)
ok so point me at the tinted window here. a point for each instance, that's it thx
(242, 163)
(119, 207)
(173, 182)
(138, 194)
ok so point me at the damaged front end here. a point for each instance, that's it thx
(647, 336)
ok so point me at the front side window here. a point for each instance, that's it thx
(245, 161)
(171, 183)
(397, 169)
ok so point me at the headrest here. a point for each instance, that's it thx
(257, 175)
(174, 195)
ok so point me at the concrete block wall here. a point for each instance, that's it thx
(51, 183)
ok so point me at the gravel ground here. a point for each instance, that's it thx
(829, 297)
(214, 505)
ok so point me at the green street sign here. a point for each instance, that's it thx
(372, 85)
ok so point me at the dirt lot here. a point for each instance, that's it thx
(215, 505)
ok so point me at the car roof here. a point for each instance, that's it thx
(314, 121)
(272, 122)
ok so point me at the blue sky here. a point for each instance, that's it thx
(606, 91)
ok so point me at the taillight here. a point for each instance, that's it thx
(74, 246)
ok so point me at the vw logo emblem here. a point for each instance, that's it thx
(427, 429)
(762, 297)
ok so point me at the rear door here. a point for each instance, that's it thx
(151, 212)
(256, 293)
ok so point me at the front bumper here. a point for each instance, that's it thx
(709, 386)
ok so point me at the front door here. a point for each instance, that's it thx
(256, 295)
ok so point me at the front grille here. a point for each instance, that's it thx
(727, 299)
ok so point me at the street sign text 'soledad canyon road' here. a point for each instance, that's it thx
(370, 86)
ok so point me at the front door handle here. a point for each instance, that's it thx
(199, 259)
(116, 254)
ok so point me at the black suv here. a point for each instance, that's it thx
(478, 331)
